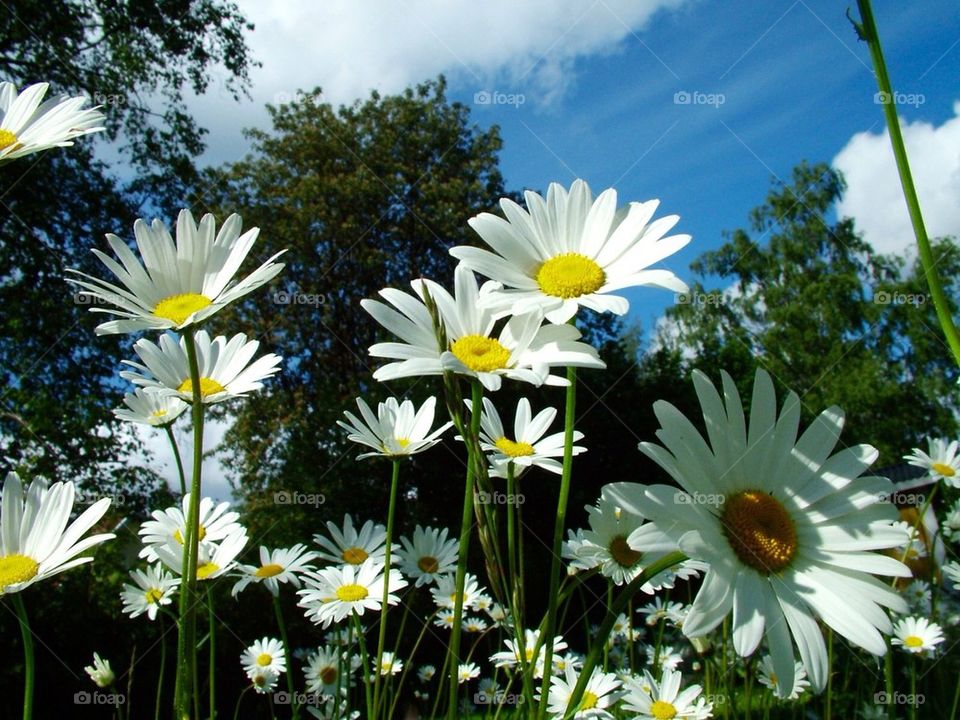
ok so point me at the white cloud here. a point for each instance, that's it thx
(874, 197)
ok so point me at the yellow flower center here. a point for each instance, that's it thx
(351, 593)
(206, 570)
(328, 676)
(178, 536)
(760, 531)
(480, 354)
(355, 555)
(428, 564)
(570, 275)
(158, 413)
(528, 654)
(153, 596)
(269, 570)
(260, 680)
(514, 449)
(589, 701)
(208, 386)
(403, 442)
(912, 641)
(943, 469)
(7, 139)
(663, 710)
(16, 569)
(264, 659)
(177, 308)
(624, 555)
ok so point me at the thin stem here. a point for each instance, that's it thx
(365, 663)
(409, 662)
(381, 641)
(177, 458)
(211, 621)
(236, 710)
(913, 687)
(888, 676)
(287, 654)
(163, 669)
(956, 700)
(563, 497)
(28, 657)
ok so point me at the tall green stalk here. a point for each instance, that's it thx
(176, 456)
(867, 29)
(551, 627)
(391, 511)
(212, 675)
(28, 656)
(163, 669)
(287, 654)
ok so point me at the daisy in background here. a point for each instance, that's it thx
(786, 528)
(467, 672)
(322, 670)
(217, 521)
(334, 593)
(662, 610)
(951, 522)
(600, 693)
(264, 655)
(263, 680)
(179, 285)
(352, 547)
(768, 677)
(154, 588)
(511, 657)
(100, 672)
(445, 593)
(148, 407)
(396, 430)
(390, 664)
(425, 673)
(523, 350)
(952, 571)
(444, 619)
(213, 559)
(28, 125)
(474, 625)
(917, 635)
(650, 700)
(668, 657)
(277, 566)
(941, 461)
(528, 447)
(919, 597)
(570, 251)
(428, 555)
(35, 541)
(226, 370)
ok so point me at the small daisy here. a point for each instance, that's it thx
(217, 521)
(467, 672)
(570, 660)
(942, 460)
(527, 447)
(35, 542)
(334, 593)
(599, 694)
(917, 635)
(148, 407)
(226, 370)
(428, 555)
(175, 286)
(154, 588)
(570, 251)
(498, 615)
(213, 559)
(266, 654)
(474, 625)
(524, 349)
(487, 691)
(390, 664)
(659, 610)
(352, 547)
(100, 672)
(445, 593)
(650, 700)
(952, 571)
(425, 673)
(768, 677)
(511, 657)
(918, 596)
(668, 657)
(951, 522)
(445, 619)
(277, 566)
(322, 671)
(574, 552)
(27, 126)
(396, 430)
(264, 680)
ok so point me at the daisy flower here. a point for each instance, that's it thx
(213, 559)
(524, 350)
(527, 447)
(570, 660)
(323, 671)
(570, 251)
(148, 407)
(226, 370)
(351, 546)
(175, 286)
(390, 664)
(574, 552)
(786, 527)
(100, 672)
(216, 523)
(660, 610)
(445, 593)
(599, 694)
(952, 571)
(951, 523)
(27, 126)
(917, 634)
(428, 555)
(668, 657)
(444, 619)
(467, 672)
(154, 588)
(918, 596)
(474, 625)
(768, 677)
(333, 593)
(396, 430)
(941, 460)
(277, 566)
(511, 657)
(650, 700)
(425, 673)
(35, 542)
(264, 680)
(264, 655)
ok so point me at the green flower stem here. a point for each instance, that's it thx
(186, 637)
(287, 654)
(913, 687)
(365, 665)
(621, 601)
(409, 662)
(551, 627)
(868, 32)
(440, 684)
(465, 527)
(888, 676)
(163, 669)
(28, 657)
(516, 582)
(176, 456)
(391, 511)
(236, 710)
(956, 699)
(211, 621)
